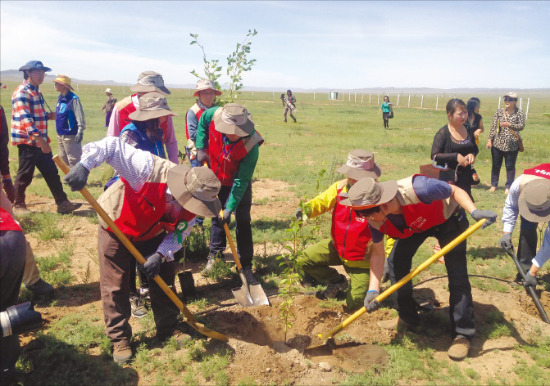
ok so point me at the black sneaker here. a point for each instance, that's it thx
(67, 207)
(333, 289)
(137, 306)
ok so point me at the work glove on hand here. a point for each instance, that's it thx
(9, 189)
(79, 135)
(530, 280)
(151, 268)
(481, 214)
(299, 214)
(77, 177)
(226, 217)
(202, 157)
(370, 303)
(506, 241)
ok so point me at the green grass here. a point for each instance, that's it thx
(47, 226)
(56, 268)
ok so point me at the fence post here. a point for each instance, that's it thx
(409, 104)
(397, 100)
(436, 103)
(378, 99)
(313, 95)
(498, 102)
(527, 110)
(520, 103)
(361, 97)
(356, 98)
(422, 101)
(369, 98)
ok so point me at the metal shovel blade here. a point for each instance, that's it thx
(241, 294)
(259, 297)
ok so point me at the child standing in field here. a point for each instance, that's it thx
(387, 111)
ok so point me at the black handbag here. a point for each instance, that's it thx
(390, 114)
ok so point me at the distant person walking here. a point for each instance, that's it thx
(108, 106)
(69, 121)
(289, 102)
(504, 140)
(387, 111)
(29, 132)
(474, 123)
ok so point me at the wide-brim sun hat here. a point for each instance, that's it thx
(368, 193)
(196, 189)
(206, 84)
(150, 81)
(512, 94)
(108, 90)
(151, 105)
(233, 118)
(63, 80)
(360, 164)
(34, 65)
(534, 200)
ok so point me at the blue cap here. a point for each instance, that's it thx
(34, 65)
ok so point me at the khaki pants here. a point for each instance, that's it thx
(70, 151)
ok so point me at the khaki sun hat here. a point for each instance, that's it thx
(534, 200)
(368, 193)
(108, 90)
(151, 105)
(360, 164)
(233, 118)
(206, 84)
(150, 81)
(196, 189)
(63, 80)
(512, 94)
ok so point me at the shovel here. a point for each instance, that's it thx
(328, 336)
(530, 289)
(189, 318)
(249, 294)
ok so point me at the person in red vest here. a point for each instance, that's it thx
(147, 81)
(229, 144)
(527, 245)
(411, 210)
(154, 203)
(206, 92)
(349, 244)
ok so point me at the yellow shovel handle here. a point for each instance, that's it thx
(127, 243)
(446, 249)
(231, 244)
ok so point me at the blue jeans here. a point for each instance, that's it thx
(245, 247)
(510, 163)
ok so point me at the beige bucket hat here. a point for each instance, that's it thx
(151, 105)
(150, 81)
(206, 84)
(196, 189)
(234, 119)
(368, 193)
(534, 200)
(63, 80)
(360, 164)
(512, 94)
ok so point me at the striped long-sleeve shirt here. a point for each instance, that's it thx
(28, 115)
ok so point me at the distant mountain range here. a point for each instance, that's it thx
(15, 75)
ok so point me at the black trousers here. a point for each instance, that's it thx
(510, 158)
(245, 247)
(461, 307)
(527, 246)
(31, 157)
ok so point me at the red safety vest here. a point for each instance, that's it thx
(419, 217)
(140, 215)
(542, 170)
(7, 223)
(198, 112)
(350, 233)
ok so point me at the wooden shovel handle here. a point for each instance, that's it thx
(231, 244)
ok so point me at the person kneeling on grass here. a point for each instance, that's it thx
(411, 210)
(350, 242)
(154, 203)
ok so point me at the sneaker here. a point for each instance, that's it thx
(137, 307)
(178, 335)
(67, 207)
(493, 189)
(459, 348)
(144, 293)
(122, 352)
(213, 257)
(41, 288)
(399, 325)
(250, 279)
(333, 289)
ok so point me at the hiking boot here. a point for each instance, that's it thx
(137, 307)
(333, 289)
(459, 348)
(122, 352)
(213, 257)
(250, 279)
(178, 335)
(41, 288)
(67, 207)
(399, 325)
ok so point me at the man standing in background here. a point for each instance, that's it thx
(108, 106)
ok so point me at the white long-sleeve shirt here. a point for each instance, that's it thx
(543, 255)
(135, 166)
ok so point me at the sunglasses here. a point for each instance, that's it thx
(507, 99)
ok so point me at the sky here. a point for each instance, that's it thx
(300, 44)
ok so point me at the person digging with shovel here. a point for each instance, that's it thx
(411, 210)
(350, 242)
(154, 203)
(529, 197)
